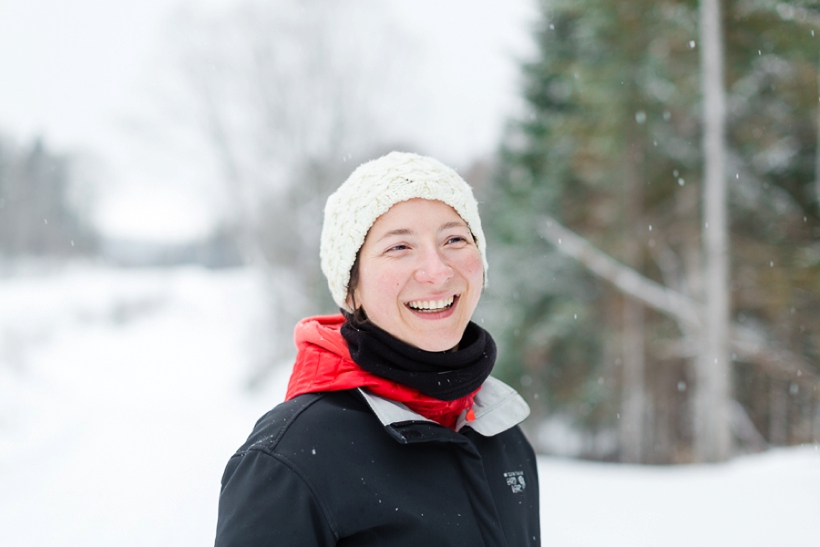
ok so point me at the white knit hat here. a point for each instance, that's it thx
(370, 191)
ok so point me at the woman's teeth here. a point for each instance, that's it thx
(432, 305)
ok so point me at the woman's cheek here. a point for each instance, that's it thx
(387, 287)
(474, 265)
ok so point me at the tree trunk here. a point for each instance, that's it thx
(817, 150)
(633, 393)
(713, 368)
(633, 396)
(816, 423)
(778, 413)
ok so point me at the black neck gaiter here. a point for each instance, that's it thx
(444, 375)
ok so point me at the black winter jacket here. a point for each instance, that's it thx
(350, 468)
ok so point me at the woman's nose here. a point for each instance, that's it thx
(433, 268)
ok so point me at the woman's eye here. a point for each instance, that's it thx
(457, 239)
(399, 247)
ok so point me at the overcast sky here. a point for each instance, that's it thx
(80, 72)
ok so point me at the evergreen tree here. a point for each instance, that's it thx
(610, 145)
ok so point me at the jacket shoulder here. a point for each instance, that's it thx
(294, 417)
(265, 498)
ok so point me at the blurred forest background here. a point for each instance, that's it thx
(593, 200)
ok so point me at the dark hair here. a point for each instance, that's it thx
(358, 315)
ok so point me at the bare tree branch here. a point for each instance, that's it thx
(777, 361)
(747, 344)
(784, 10)
(672, 303)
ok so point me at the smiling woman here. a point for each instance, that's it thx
(420, 274)
(393, 432)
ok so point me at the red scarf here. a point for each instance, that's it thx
(323, 363)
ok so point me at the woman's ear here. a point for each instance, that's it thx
(351, 300)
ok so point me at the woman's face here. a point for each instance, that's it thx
(420, 274)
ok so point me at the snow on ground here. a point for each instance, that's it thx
(763, 500)
(122, 397)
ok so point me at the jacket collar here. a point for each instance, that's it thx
(497, 408)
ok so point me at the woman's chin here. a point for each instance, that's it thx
(436, 343)
(434, 332)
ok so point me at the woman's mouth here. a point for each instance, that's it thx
(432, 306)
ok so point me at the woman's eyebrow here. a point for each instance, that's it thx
(396, 232)
(453, 224)
(408, 231)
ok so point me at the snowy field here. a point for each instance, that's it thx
(122, 396)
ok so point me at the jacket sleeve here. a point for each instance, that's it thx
(265, 502)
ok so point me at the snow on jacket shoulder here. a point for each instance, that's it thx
(349, 468)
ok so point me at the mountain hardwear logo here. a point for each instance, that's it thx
(515, 480)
